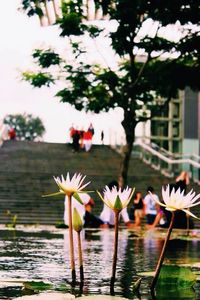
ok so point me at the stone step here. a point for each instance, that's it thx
(27, 170)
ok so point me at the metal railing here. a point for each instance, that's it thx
(192, 156)
(168, 163)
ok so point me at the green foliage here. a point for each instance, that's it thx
(93, 31)
(151, 66)
(26, 126)
(38, 79)
(71, 6)
(32, 7)
(71, 25)
(138, 81)
(46, 58)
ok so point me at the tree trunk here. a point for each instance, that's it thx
(129, 128)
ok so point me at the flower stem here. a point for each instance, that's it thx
(112, 281)
(162, 255)
(80, 257)
(71, 241)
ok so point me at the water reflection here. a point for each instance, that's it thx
(44, 255)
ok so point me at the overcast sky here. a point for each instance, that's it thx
(19, 36)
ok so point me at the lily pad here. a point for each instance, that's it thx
(37, 285)
(33, 285)
(176, 277)
(162, 294)
(27, 283)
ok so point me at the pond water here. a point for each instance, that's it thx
(41, 253)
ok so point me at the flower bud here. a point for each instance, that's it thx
(77, 223)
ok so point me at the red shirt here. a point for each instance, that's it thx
(87, 135)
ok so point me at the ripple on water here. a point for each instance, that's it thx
(43, 254)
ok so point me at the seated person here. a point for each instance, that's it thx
(88, 219)
(108, 217)
(150, 206)
(137, 209)
(182, 181)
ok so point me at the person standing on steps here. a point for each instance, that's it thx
(102, 137)
(91, 129)
(75, 141)
(87, 140)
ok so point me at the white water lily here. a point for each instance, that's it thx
(116, 199)
(176, 200)
(70, 186)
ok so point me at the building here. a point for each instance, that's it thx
(167, 129)
(177, 129)
(191, 125)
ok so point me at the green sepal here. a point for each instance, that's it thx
(77, 223)
(53, 194)
(118, 204)
(77, 197)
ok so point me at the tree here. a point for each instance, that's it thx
(152, 67)
(26, 126)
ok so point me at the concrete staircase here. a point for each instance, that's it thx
(27, 170)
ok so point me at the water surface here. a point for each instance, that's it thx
(41, 253)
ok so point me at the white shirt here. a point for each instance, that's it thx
(108, 216)
(75, 204)
(150, 204)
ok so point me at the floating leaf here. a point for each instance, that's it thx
(163, 294)
(21, 282)
(37, 285)
(176, 277)
(62, 287)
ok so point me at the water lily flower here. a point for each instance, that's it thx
(69, 186)
(176, 200)
(173, 200)
(116, 199)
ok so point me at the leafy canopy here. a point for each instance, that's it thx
(151, 65)
(26, 126)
